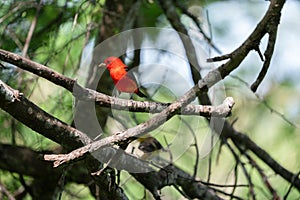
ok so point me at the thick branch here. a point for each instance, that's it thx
(17, 159)
(148, 106)
(171, 175)
(271, 28)
(37, 69)
(38, 120)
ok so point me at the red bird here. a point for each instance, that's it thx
(122, 80)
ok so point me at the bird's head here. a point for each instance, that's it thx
(112, 62)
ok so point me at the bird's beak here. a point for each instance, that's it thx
(102, 65)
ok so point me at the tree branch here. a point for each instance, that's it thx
(6, 192)
(268, 24)
(18, 106)
(86, 94)
(101, 99)
(268, 56)
(185, 11)
(171, 175)
(252, 42)
(263, 176)
(243, 141)
(17, 159)
(174, 19)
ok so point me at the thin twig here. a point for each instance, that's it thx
(268, 56)
(260, 54)
(291, 186)
(196, 147)
(223, 186)
(266, 104)
(264, 177)
(196, 21)
(31, 29)
(209, 169)
(248, 177)
(6, 192)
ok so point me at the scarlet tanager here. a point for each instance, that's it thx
(123, 81)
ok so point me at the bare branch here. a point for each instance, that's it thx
(264, 177)
(252, 42)
(236, 57)
(174, 19)
(31, 29)
(196, 21)
(142, 128)
(267, 105)
(171, 175)
(271, 29)
(247, 175)
(13, 102)
(244, 141)
(219, 58)
(101, 99)
(291, 186)
(222, 110)
(268, 56)
(38, 69)
(6, 192)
